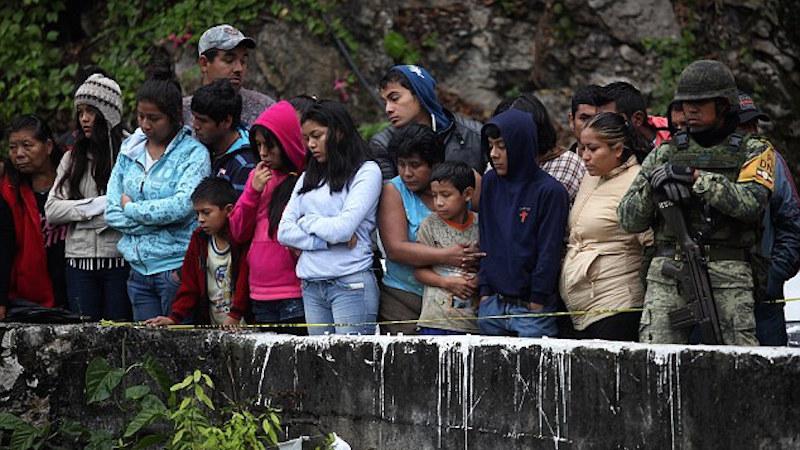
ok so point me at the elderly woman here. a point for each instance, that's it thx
(601, 270)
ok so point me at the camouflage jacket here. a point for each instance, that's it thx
(742, 199)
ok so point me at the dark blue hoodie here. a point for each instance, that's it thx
(523, 216)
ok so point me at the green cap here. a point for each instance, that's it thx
(707, 79)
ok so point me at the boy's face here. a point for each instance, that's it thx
(230, 64)
(582, 115)
(450, 204)
(212, 218)
(499, 156)
(209, 132)
(402, 107)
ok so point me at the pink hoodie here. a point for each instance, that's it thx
(272, 266)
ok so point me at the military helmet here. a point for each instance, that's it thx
(706, 79)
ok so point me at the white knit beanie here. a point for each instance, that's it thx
(104, 94)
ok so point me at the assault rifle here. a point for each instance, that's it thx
(693, 280)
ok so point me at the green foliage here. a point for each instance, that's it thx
(563, 25)
(196, 422)
(101, 380)
(675, 55)
(399, 49)
(35, 76)
(39, 74)
(314, 14)
(368, 130)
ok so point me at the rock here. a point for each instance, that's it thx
(629, 54)
(633, 20)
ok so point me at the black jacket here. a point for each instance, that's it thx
(462, 142)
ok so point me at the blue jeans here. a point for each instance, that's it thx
(275, 311)
(280, 311)
(350, 301)
(423, 331)
(770, 324)
(99, 294)
(518, 326)
(152, 295)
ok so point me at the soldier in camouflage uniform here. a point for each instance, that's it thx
(722, 180)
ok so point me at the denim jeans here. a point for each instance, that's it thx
(438, 332)
(280, 311)
(770, 324)
(518, 326)
(99, 294)
(350, 301)
(152, 295)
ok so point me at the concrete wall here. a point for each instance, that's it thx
(455, 392)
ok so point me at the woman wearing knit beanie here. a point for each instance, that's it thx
(96, 272)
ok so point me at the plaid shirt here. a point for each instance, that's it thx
(568, 169)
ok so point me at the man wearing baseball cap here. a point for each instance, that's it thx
(779, 251)
(223, 54)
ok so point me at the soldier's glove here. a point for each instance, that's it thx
(671, 173)
(677, 192)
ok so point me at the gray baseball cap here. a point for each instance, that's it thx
(223, 37)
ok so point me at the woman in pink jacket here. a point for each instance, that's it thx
(275, 295)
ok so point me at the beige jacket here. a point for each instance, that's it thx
(88, 236)
(601, 269)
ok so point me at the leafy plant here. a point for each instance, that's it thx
(35, 78)
(368, 130)
(399, 49)
(156, 406)
(675, 55)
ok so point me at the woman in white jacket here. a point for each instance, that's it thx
(601, 269)
(96, 273)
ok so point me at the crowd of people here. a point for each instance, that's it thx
(229, 208)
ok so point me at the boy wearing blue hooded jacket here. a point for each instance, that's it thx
(523, 214)
(410, 95)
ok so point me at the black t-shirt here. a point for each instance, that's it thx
(54, 242)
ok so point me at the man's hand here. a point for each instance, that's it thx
(159, 321)
(124, 200)
(351, 244)
(677, 192)
(261, 176)
(666, 173)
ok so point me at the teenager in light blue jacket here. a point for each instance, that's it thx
(329, 218)
(149, 192)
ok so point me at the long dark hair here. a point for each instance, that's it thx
(102, 147)
(614, 129)
(42, 133)
(282, 193)
(346, 150)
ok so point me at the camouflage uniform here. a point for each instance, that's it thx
(737, 197)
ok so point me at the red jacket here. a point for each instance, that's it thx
(29, 277)
(192, 296)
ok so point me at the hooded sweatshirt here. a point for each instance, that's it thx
(158, 222)
(236, 163)
(459, 136)
(424, 86)
(272, 266)
(523, 218)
